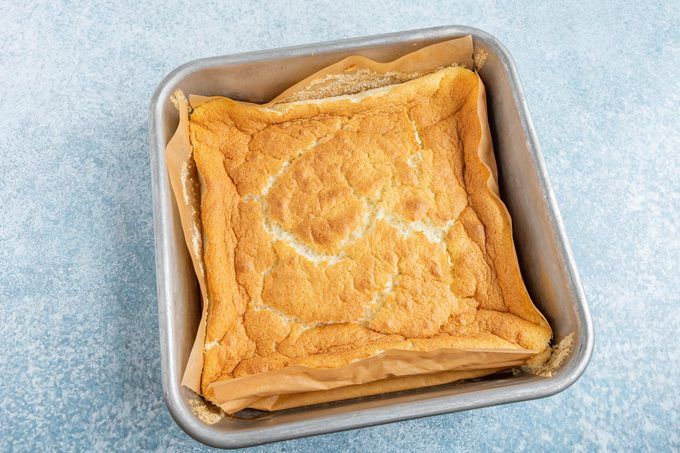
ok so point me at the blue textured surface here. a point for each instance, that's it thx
(79, 360)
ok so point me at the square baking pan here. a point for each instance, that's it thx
(545, 257)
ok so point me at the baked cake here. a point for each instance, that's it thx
(338, 228)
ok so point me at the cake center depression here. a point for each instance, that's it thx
(353, 221)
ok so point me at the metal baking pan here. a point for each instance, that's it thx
(545, 257)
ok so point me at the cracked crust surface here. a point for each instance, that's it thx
(338, 228)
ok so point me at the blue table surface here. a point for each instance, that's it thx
(79, 350)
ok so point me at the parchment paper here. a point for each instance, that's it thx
(389, 371)
(396, 384)
(236, 394)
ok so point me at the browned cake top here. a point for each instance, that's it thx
(335, 229)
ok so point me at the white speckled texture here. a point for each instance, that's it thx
(79, 360)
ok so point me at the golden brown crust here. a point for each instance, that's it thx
(339, 228)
